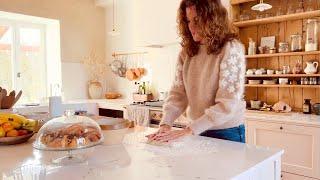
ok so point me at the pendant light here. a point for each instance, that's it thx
(114, 32)
(261, 6)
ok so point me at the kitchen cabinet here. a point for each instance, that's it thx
(155, 22)
(288, 176)
(301, 144)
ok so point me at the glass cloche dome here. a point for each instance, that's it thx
(69, 132)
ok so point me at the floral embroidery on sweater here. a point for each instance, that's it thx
(178, 76)
(232, 69)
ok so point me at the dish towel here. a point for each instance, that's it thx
(139, 115)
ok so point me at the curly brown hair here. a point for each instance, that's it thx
(213, 22)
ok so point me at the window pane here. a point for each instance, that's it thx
(31, 76)
(6, 60)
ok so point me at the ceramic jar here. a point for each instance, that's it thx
(95, 90)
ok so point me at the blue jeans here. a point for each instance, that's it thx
(236, 134)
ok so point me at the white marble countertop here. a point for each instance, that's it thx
(291, 118)
(90, 105)
(126, 161)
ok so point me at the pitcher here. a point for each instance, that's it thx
(312, 67)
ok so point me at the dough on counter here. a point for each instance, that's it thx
(157, 143)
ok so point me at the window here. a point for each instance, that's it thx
(26, 52)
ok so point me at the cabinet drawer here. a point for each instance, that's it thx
(289, 176)
(301, 145)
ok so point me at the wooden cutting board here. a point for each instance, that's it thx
(7, 101)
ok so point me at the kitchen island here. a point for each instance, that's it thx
(214, 159)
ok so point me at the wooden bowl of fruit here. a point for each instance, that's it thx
(15, 129)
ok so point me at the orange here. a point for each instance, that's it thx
(7, 126)
(22, 132)
(12, 133)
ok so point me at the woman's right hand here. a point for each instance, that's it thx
(162, 129)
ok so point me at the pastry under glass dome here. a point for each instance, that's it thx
(68, 133)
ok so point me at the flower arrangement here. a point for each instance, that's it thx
(95, 66)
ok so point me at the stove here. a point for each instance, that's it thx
(154, 103)
(149, 103)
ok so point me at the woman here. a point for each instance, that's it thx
(209, 82)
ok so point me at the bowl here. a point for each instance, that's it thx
(112, 95)
(283, 80)
(269, 82)
(272, 50)
(15, 140)
(270, 71)
(254, 81)
(250, 72)
(15, 129)
(259, 72)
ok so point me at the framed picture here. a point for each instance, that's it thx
(268, 41)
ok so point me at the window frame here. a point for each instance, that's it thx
(16, 25)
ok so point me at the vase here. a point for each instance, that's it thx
(95, 90)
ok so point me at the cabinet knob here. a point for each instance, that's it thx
(281, 127)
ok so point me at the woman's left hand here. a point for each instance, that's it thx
(172, 135)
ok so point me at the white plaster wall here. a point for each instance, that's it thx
(132, 27)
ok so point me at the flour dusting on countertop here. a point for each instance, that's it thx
(183, 146)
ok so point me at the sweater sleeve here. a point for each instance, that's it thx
(229, 104)
(176, 102)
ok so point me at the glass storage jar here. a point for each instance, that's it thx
(296, 42)
(312, 35)
(283, 47)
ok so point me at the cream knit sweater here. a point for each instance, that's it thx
(209, 88)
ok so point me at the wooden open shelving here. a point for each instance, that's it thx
(275, 19)
(235, 2)
(283, 75)
(282, 86)
(283, 54)
(282, 27)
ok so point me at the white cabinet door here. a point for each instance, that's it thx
(301, 145)
(288, 176)
(155, 22)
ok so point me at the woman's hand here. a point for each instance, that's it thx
(162, 129)
(172, 135)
